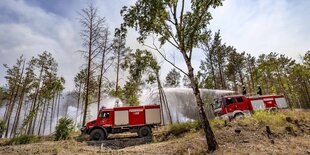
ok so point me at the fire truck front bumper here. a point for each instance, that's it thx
(83, 129)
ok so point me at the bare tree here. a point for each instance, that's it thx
(92, 25)
(120, 51)
(106, 59)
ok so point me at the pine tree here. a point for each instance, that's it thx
(120, 52)
(173, 78)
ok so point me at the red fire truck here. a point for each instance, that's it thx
(138, 119)
(239, 105)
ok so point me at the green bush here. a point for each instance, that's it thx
(269, 118)
(276, 120)
(2, 127)
(217, 123)
(179, 128)
(23, 139)
(64, 128)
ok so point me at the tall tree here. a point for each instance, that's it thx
(181, 29)
(106, 60)
(250, 66)
(92, 25)
(27, 85)
(137, 64)
(236, 67)
(209, 48)
(120, 52)
(79, 81)
(173, 78)
(186, 82)
(14, 77)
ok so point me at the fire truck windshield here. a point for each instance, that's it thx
(217, 103)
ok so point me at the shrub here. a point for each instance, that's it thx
(64, 129)
(179, 128)
(269, 118)
(23, 139)
(276, 120)
(217, 123)
(2, 127)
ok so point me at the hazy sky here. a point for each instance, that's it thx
(30, 27)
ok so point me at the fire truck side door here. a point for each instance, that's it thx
(106, 118)
(230, 104)
(241, 104)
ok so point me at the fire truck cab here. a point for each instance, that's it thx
(238, 105)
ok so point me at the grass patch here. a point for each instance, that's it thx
(270, 118)
(180, 128)
(23, 139)
(276, 120)
(217, 123)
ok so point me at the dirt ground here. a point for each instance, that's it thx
(252, 139)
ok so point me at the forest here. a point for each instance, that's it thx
(33, 89)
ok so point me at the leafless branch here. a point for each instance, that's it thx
(163, 56)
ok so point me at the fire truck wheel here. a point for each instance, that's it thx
(97, 134)
(239, 115)
(145, 132)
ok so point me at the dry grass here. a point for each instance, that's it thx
(251, 140)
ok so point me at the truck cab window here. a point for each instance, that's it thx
(229, 101)
(239, 99)
(105, 115)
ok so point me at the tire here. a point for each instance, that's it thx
(97, 135)
(272, 110)
(238, 115)
(145, 131)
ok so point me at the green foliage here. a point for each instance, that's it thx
(276, 120)
(217, 123)
(269, 118)
(173, 78)
(225, 68)
(2, 127)
(307, 59)
(180, 128)
(131, 90)
(139, 63)
(154, 17)
(23, 139)
(119, 92)
(64, 129)
(212, 68)
(186, 81)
